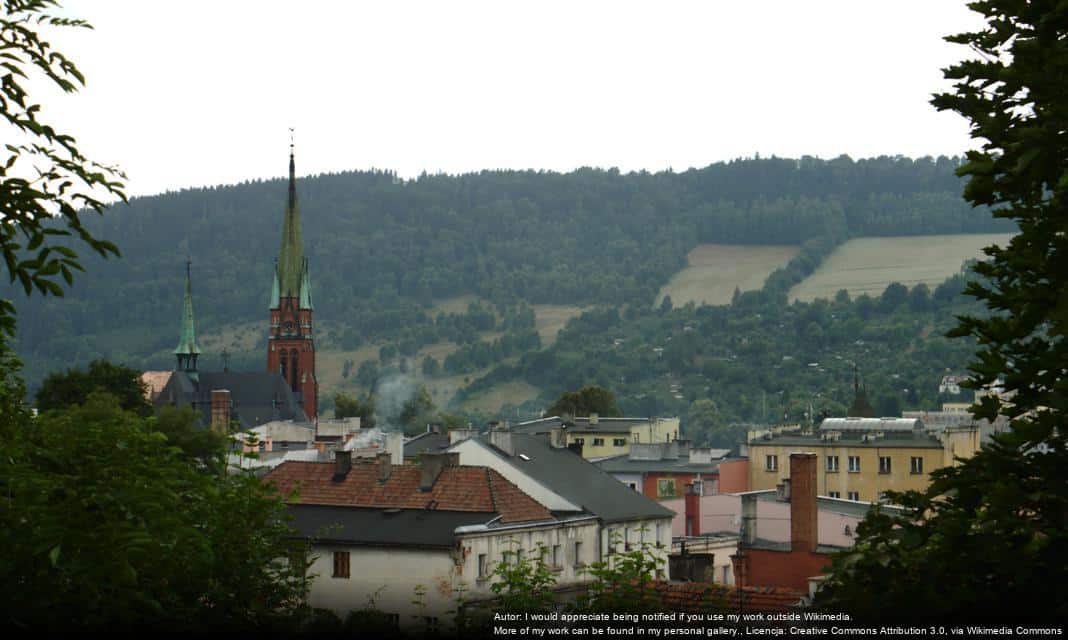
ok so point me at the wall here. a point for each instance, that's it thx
(651, 484)
(495, 544)
(387, 577)
(792, 569)
(869, 483)
(723, 513)
(657, 533)
(734, 476)
(630, 479)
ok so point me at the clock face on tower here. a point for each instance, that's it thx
(288, 326)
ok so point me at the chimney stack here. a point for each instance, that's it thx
(749, 519)
(342, 465)
(558, 437)
(385, 466)
(220, 411)
(804, 533)
(431, 466)
(456, 435)
(502, 440)
(693, 511)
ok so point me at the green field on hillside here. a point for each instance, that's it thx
(716, 270)
(868, 265)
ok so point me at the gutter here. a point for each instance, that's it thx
(537, 524)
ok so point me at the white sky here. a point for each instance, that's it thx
(197, 93)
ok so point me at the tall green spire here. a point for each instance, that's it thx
(187, 350)
(291, 257)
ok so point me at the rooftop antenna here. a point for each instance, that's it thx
(226, 360)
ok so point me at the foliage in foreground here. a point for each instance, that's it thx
(989, 538)
(105, 524)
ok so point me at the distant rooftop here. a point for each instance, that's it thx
(585, 424)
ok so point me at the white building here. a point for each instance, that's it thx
(382, 533)
(563, 482)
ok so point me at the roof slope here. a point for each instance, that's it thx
(579, 481)
(381, 527)
(464, 489)
(258, 397)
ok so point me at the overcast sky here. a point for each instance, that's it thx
(198, 93)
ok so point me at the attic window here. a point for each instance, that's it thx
(524, 456)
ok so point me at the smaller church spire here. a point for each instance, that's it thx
(187, 351)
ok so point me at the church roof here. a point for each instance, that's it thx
(187, 342)
(291, 263)
(257, 397)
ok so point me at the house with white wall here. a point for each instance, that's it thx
(382, 532)
(562, 481)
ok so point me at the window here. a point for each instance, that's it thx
(665, 487)
(341, 564)
(832, 463)
(626, 538)
(854, 464)
(632, 485)
(619, 442)
(580, 440)
(854, 496)
(834, 494)
(598, 442)
(578, 554)
(519, 556)
(771, 463)
(483, 562)
(916, 465)
(393, 620)
(884, 464)
(431, 622)
(556, 555)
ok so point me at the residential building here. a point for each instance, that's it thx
(433, 440)
(380, 531)
(950, 383)
(544, 467)
(663, 469)
(860, 458)
(604, 437)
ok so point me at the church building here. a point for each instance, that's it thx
(287, 390)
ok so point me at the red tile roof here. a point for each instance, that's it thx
(462, 488)
(698, 596)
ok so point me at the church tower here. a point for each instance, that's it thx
(186, 352)
(290, 347)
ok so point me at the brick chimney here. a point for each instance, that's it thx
(385, 465)
(804, 534)
(220, 410)
(693, 511)
(342, 465)
(431, 466)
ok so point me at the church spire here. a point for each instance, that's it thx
(187, 351)
(291, 255)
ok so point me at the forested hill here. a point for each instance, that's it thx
(382, 248)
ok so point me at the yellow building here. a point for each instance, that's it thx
(859, 458)
(604, 437)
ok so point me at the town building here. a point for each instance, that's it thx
(860, 458)
(381, 533)
(662, 470)
(555, 474)
(604, 437)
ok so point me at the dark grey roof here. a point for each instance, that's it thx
(579, 425)
(772, 545)
(624, 464)
(257, 396)
(382, 527)
(426, 443)
(579, 480)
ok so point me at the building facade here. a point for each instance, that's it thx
(604, 437)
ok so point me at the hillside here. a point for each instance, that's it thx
(383, 250)
(868, 265)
